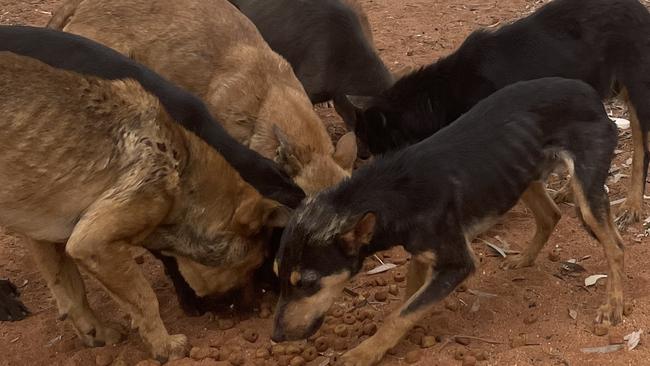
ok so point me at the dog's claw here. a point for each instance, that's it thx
(627, 216)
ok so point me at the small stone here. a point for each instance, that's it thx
(103, 360)
(530, 319)
(481, 355)
(554, 255)
(349, 319)
(469, 360)
(628, 308)
(518, 341)
(297, 361)
(381, 296)
(322, 344)
(451, 304)
(250, 335)
(460, 354)
(262, 353)
(601, 329)
(399, 276)
(412, 356)
(278, 350)
(225, 324)
(309, 354)
(428, 342)
(369, 329)
(393, 290)
(265, 313)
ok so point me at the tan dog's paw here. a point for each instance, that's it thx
(628, 215)
(517, 261)
(361, 356)
(611, 313)
(175, 347)
(101, 335)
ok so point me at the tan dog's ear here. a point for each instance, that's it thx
(360, 235)
(346, 151)
(287, 155)
(275, 214)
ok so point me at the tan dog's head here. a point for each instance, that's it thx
(314, 171)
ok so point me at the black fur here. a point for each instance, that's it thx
(324, 42)
(11, 309)
(601, 42)
(79, 54)
(428, 196)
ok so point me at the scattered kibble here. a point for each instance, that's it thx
(413, 356)
(322, 344)
(250, 335)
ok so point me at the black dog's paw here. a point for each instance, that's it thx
(11, 308)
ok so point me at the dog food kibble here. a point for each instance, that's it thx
(341, 330)
(460, 354)
(428, 341)
(416, 337)
(554, 255)
(600, 329)
(412, 357)
(356, 330)
(369, 329)
(349, 319)
(530, 318)
(399, 276)
(339, 344)
(381, 296)
(278, 350)
(338, 312)
(628, 308)
(262, 353)
(309, 354)
(393, 290)
(461, 288)
(469, 360)
(250, 335)
(284, 360)
(322, 344)
(451, 304)
(103, 360)
(236, 358)
(292, 350)
(199, 353)
(380, 281)
(225, 324)
(148, 363)
(297, 361)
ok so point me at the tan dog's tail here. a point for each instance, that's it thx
(62, 14)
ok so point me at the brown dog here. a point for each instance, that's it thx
(92, 168)
(214, 51)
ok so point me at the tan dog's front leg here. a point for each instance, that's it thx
(101, 244)
(67, 287)
(452, 268)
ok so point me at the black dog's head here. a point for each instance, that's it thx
(319, 253)
(379, 130)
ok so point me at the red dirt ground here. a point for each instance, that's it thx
(535, 301)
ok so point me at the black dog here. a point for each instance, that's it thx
(329, 45)
(79, 54)
(11, 309)
(601, 42)
(435, 196)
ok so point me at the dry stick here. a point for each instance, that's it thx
(486, 340)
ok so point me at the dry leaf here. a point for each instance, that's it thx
(480, 293)
(633, 339)
(382, 268)
(476, 305)
(495, 248)
(591, 280)
(617, 202)
(573, 314)
(572, 267)
(621, 123)
(603, 349)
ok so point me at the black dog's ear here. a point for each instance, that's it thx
(360, 234)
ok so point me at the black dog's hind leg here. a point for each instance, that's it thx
(11, 308)
(447, 268)
(547, 214)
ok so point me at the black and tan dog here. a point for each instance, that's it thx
(434, 196)
(601, 42)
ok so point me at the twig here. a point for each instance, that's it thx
(486, 340)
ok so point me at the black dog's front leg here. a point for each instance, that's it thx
(448, 268)
(11, 308)
(191, 304)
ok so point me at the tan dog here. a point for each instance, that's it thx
(92, 168)
(214, 51)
